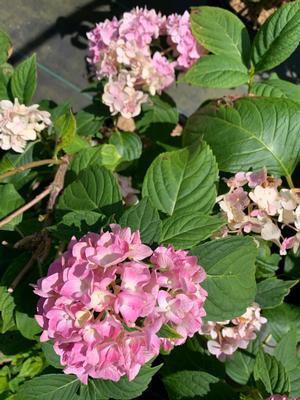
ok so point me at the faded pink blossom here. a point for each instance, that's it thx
(20, 124)
(269, 208)
(226, 337)
(129, 194)
(287, 243)
(256, 178)
(267, 199)
(103, 303)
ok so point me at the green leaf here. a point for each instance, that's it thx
(76, 145)
(77, 223)
(277, 88)
(272, 291)
(87, 124)
(292, 265)
(282, 319)
(65, 128)
(31, 367)
(266, 263)
(216, 71)
(27, 326)
(145, 218)
(6, 71)
(286, 353)
(105, 155)
(271, 374)
(51, 357)
(5, 46)
(9, 161)
(166, 331)
(10, 200)
(188, 384)
(277, 38)
(221, 32)
(128, 145)
(240, 366)
(159, 114)
(7, 308)
(182, 180)
(186, 229)
(259, 132)
(123, 389)
(24, 80)
(49, 387)
(94, 189)
(231, 289)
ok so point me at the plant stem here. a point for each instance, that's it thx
(29, 165)
(290, 181)
(26, 207)
(43, 239)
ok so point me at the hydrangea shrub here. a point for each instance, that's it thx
(145, 254)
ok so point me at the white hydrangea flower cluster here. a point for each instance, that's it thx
(19, 124)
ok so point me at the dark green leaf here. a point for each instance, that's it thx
(277, 38)
(87, 124)
(65, 128)
(259, 132)
(50, 355)
(12, 160)
(188, 384)
(94, 189)
(10, 200)
(182, 180)
(272, 291)
(240, 366)
(186, 229)
(128, 145)
(286, 353)
(6, 71)
(123, 389)
(27, 326)
(105, 155)
(277, 88)
(7, 308)
(216, 72)
(24, 80)
(145, 218)
(5, 47)
(271, 374)
(282, 319)
(49, 387)
(159, 114)
(78, 223)
(221, 32)
(266, 263)
(231, 289)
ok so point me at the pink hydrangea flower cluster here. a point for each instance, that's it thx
(104, 302)
(128, 52)
(264, 208)
(226, 337)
